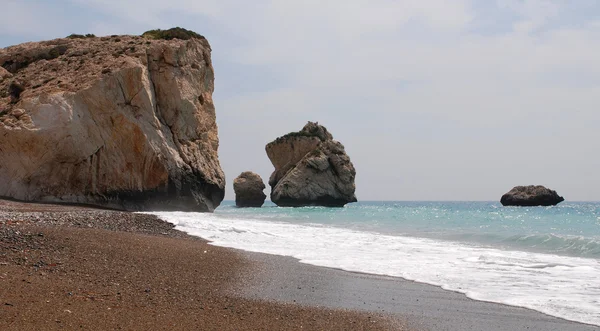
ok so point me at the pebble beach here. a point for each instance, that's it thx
(69, 267)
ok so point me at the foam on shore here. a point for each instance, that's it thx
(561, 286)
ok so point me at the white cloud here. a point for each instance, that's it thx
(534, 13)
(428, 107)
(149, 11)
(27, 19)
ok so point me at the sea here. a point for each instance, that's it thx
(543, 258)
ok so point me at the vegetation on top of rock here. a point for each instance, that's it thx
(293, 135)
(173, 33)
(317, 130)
(311, 129)
(81, 36)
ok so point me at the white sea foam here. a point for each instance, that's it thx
(562, 286)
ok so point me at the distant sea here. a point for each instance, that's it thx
(542, 258)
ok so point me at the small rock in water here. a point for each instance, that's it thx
(529, 196)
(248, 187)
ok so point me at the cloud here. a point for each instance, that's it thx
(27, 19)
(534, 13)
(433, 99)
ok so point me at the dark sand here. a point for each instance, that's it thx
(422, 306)
(77, 268)
(108, 270)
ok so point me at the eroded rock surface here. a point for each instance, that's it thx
(122, 121)
(311, 169)
(248, 188)
(532, 195)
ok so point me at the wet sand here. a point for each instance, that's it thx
(421, 306)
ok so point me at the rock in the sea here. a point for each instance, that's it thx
(311, 169)
(126, 122)
(532, 195)
(248, 188)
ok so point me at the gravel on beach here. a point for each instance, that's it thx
(72, 267)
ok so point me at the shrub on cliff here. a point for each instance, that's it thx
(293, 135)
(81, 36)
(312, 129)
(173, 33)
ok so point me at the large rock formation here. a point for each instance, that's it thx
(248, 188)
(125, 121)
(531, 195)
(311, 169)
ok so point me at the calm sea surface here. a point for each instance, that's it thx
(543, 258)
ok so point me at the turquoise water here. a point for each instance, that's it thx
(542, 258)
(571, 228)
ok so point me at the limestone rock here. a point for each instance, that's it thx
(310, 169)
(4, 74)
(123, 121)
(531, 195)
(248, 187)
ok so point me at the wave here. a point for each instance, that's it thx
(568, 245)
(557, 285)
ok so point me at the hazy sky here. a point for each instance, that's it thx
(433, 99)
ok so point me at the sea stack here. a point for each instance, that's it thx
(126, 122)
(311, 169)
(248, 188)
(532, 195)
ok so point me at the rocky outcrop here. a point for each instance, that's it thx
(125, 121)
(531, 195)
(311, 169)
(248, 188)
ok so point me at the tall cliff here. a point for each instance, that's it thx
(125, 122)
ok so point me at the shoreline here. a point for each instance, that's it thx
(315, 248)
(418, 247)
(283, 286)
(422, 306)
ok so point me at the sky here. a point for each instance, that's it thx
(433, 99)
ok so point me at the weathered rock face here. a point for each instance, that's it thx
(531, 195)
(123, 122)
(311, 169)
(248, 188)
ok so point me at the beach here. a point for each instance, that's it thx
(298, 165)
(420, 306)
(65, 267)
